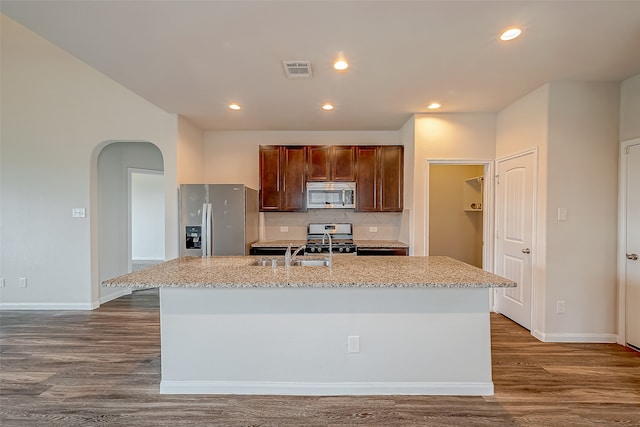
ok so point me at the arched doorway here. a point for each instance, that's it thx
(115, 161)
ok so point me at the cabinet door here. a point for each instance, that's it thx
(293, 178)
(269, 178)
(367, 179)
(318, 163)
(343, 163)
(391, 178)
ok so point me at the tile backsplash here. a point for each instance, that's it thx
(390, 226)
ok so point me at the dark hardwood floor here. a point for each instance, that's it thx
(72, 368)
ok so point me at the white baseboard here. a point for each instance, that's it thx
(576, 337)
(326, 389)
(118, 292)
(48, 305)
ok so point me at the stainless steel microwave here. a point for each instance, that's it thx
(331, 195)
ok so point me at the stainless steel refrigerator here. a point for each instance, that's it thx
(217, 219)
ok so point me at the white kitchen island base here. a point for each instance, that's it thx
(296, 341)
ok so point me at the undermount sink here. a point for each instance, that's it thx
(298, 262)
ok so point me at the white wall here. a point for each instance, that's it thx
(445, 136)
(57, 114)
(190, 153)
(630, 108)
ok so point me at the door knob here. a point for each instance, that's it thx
(526, 251)
(632, 257)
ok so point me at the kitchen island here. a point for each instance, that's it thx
(365, 325)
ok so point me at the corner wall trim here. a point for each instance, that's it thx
(576, 337)
(326, 389)
(49, 305)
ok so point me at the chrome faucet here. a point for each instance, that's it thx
(330, 247)
(290, 257)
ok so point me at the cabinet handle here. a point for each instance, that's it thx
(632, 257)
(526, 251)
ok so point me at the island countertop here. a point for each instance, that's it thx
(346, 271)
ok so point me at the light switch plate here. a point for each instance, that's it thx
(562, 214)
(1, 283)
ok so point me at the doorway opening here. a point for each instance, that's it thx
(114, 233)
(459, 214)
(146, 218)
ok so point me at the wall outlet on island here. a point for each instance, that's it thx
(373, 229)
(284, 229)
(560, 307)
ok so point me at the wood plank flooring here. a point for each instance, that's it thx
(70, 368)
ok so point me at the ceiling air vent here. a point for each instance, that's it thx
(297, 69)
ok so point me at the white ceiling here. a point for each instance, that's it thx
(195, 57)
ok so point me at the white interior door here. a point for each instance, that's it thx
(514, 235)
(633, 246)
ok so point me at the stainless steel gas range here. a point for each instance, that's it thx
(341, 238)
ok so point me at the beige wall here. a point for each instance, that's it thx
(630, 108)
(583, 177)
(453, 231)
(190, 153)
(522, 126)
(232, 157)
(57, 114)
(574, 127)
(445, 136)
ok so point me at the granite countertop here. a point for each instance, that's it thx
(346, 271)
(358, 242)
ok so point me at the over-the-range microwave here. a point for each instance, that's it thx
(331, 195)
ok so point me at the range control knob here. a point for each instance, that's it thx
(347, 249)
(341, 249)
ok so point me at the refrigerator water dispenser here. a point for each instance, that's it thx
(193, 237)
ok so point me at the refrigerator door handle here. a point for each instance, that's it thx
(203, 232)
(209, 229)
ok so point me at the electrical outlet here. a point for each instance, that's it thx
(353, 344)
(284, 229)
(1, 283)
(560, 307)
(373, 229)
(23, 282)
(78, 213)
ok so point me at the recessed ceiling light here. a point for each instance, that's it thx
(340, 65)
(234, 106)
(511, 34)
(327, 107)
(434, 106)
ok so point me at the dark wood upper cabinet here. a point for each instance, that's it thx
(331, 163)
(293, 178)
(343, 163)
(282, 178)
(379, 178)
(391, 178)
(318, 163)
(367, 176)
(269, 178)
(378, 171)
